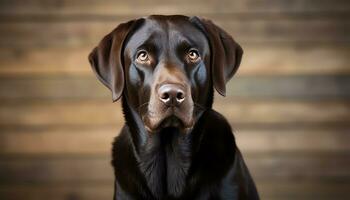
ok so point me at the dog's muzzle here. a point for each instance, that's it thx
(171, 106)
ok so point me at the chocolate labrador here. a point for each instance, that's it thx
(173, 144)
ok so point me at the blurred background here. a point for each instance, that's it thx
(289, 102)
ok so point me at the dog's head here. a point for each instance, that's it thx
(166, 67)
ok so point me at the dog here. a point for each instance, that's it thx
(173, 144)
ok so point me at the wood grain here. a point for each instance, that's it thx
(60, 170)
(264, 87)
(258, 60)
(48, 113)
(109, 7)
(275, 112)
(97, 141)
(296, 189)
(281, 190)
(275, 190)
(56, 170)
(240, 112)
(251, 31)
(92, 191)
(288, 104)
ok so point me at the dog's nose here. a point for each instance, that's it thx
(171, 94)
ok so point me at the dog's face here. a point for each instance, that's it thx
(166, 66)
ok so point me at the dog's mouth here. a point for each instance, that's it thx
(171, 121)
(170, 118)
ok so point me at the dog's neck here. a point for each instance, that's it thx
(165, 161)
(164, 158)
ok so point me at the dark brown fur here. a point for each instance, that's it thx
(173, 145)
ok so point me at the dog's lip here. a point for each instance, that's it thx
(171, 121)
(171, 118)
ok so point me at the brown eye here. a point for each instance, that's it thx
(142, 56)
(193, 55)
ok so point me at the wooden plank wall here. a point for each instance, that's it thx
(289, 103)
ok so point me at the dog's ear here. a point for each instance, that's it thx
(106, 59)
(226, 54)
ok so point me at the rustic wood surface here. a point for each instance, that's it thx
(289, 103)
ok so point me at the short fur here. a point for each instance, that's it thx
(173, 159)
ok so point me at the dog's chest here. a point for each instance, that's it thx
(165, 162)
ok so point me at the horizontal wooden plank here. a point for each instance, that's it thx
(53, 141)
(292, 87)
(56, 87)
(68, 113)
(293, 140)
(56, 170)
(97, 141)
(299, 166)
(303, 190)
(88, 87)
(250, 31)
(312, 60)
(57, 192)
(93, 7)
(264, 167)
(257, 60)
(281, 190)
(45, 61)
(299, 113)
(237, 111)
(273, 190)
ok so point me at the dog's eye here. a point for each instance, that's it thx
(142, 56)
(193, 55)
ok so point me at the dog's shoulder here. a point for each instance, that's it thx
(221, 161)
(128, 176)
(123, 155)
(216, 132)
(216, 144)
(217, 118)
(217, 125)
